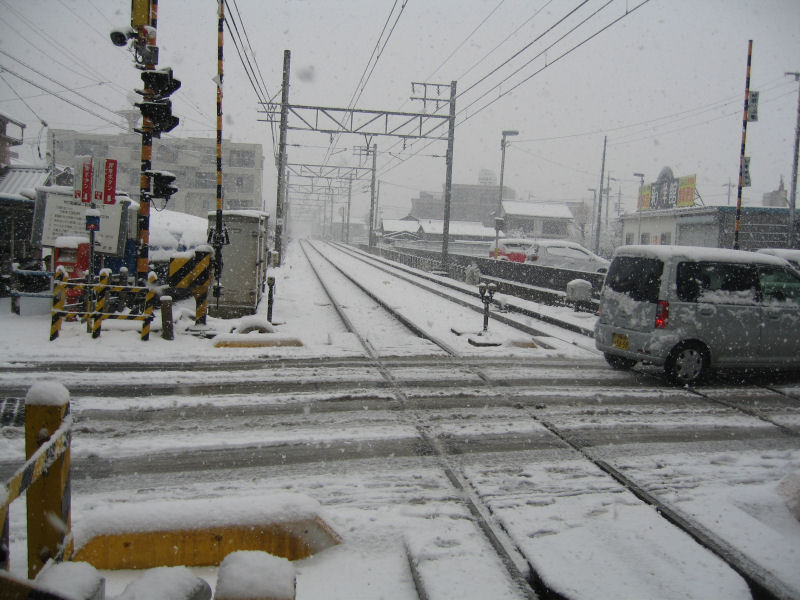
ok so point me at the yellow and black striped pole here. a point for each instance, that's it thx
(741, 153)
(218, 237)
(101, 293)
(59, 297)
(147, 36)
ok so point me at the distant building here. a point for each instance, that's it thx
(536, 219)
(467, 203)
(709, 226)
(776, 198)
(191, 160)
(7, 141)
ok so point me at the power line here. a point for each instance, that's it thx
(464, 41)
(67, 100)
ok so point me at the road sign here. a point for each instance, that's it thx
(82, 178)
(752, 106)
(745, 171)
(110, 181)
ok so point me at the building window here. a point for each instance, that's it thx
(205, 179)
(239, 183)
(666, 239)
(166, 154)
(644, 238)
(90, 148)
(628, 239)
(242, 158)
(557, 228)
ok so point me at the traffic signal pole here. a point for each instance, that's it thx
(146, 33)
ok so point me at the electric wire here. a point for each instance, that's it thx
(67, 100)
(465, 40)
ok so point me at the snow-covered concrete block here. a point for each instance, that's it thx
(72, 581)
(254, 575)
(175, 583)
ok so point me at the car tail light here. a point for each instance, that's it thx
(662, 314)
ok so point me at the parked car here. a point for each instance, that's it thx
(563, 254)
(513, 249)
(692, 309)
(789, 254)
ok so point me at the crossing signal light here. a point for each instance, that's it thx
(160, 115)
(159, 85)
(160, 82)
(161, 184)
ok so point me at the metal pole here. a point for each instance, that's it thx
(349, 197)
(639, 208)
(499, 210)
(741, 153)
(793, 192)
(219, 235)
(600, 199)
(279, 216)
(448, 178)
(372, 197)
(147, 36)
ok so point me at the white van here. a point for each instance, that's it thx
(691, 309)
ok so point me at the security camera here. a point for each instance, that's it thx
(121, 35)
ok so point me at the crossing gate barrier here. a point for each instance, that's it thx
(97, 308)
(44, 479)
(193, 273)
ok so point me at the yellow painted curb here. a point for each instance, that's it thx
(205, 546)
(256, 341)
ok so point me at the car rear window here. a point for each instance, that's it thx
(717, 282)
(636, 276)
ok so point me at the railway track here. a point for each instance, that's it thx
(406, 401)
(761, 583)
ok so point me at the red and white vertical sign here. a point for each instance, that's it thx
(82, 178)
(110, 181)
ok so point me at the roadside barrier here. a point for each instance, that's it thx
(193, 273)
(44, 478)
(98, 303)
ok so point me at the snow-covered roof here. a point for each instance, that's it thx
(399, 225)
(15, 179)
(536, 209)
(467, 228)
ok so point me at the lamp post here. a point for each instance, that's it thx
(506, 133)
(639, 208)
(591, 216)
(793, 192)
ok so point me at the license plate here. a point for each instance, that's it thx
(620, 341)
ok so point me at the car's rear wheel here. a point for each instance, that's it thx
(619, 362)
(687, 363)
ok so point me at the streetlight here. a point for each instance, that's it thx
(639, 208)
(503, 143)
(793, 193)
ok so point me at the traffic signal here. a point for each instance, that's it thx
(158, 87)
(160, 82)
(161, 184)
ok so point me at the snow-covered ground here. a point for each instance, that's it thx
(588, 535)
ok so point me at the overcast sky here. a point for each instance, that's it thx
(665, 83)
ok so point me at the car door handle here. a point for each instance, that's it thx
(773, 314)
(707, 311)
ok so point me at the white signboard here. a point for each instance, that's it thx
(65, 215)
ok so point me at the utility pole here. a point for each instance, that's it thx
(448, 178)
(600, 200)
(742, 166)
(349, 197)
(219, 235)
(279, 205)
(793, 193)
(728, 185)
(372, 198)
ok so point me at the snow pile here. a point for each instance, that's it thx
(172, 232)
(194, 514)
(789, 490)
(166, 582)
(253, 574)
(47, 393)
(71, 580)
